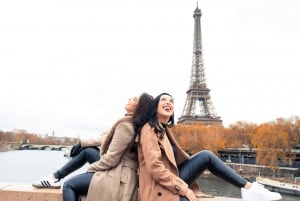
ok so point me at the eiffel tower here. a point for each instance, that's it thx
(198, 105)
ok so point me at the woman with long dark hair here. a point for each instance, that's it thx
(166, 171)
(87, 150)
(114, 176)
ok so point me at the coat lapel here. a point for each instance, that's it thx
(167, 147)
(180, 155)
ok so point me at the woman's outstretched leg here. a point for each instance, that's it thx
(88, 154)
(191, 169)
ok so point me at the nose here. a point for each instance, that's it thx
(169, 102)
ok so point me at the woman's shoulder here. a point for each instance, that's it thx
(146, 126)
(126, 125)
(147, 129)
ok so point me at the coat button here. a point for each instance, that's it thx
(159, 193)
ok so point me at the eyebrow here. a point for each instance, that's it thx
(166, 96)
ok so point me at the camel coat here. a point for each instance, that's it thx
(158, 172)
(115, 177)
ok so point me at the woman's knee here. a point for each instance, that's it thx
(91, 154)
(67, 185)
(68, 192)
(205, 154)
(209, 154)
(90, 150)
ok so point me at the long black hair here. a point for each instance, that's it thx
(151, 118)
(141, 110)
(140, 115)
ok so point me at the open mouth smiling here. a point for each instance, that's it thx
(167, 108)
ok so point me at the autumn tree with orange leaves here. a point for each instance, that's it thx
(198, 137)
(272, 145)
(273, 140)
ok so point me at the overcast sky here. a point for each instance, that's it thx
(69, 67)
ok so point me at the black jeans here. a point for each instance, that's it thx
(88, 154)
(77, 185)
(192, 168)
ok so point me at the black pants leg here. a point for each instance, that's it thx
(191, 169)
(88, 154)
(77, 185)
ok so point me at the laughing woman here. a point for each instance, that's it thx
(166, 171)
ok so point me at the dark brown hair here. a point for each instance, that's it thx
(145, 101)
(151, 118)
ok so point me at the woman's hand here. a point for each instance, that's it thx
(190, 195)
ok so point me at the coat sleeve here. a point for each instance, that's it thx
(93, 141)
(122, 137)
(155, 166)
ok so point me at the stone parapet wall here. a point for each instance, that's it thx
(21, 192)
(24, 191)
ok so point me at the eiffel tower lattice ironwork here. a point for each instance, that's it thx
(198, 106)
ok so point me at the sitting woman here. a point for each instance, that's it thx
(165, 170)
(85, 151)
(114, 176)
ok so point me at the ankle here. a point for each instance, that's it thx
(53, 177)
(248, 185)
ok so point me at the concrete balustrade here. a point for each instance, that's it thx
(24, 191)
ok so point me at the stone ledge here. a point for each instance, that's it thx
(21, 191)
(24, 191)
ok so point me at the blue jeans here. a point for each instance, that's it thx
(192, 168)
(88, 154)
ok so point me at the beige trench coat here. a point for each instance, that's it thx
(115, 177)
(158, 173)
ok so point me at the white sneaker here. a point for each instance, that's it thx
(47, 182)
(258, 193)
